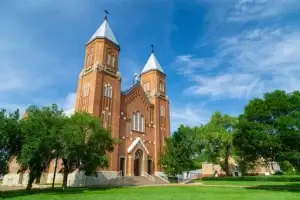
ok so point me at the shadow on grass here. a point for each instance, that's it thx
(289, 187)
(50, 191)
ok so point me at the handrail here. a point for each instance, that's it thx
(162, 176)
(148, 176)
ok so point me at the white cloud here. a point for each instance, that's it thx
(251, 63)
(237, 86)
(189, 115)
(247, 10)
(192, 63)
(68, 104)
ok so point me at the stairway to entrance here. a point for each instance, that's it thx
(140, 180)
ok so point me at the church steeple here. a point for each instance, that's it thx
(104, 31)
(152, 64)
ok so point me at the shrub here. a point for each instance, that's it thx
(255, 178)
(279, 173)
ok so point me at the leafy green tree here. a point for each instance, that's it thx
(84, 144)
(216, 137)
(11, 138)
(180, 151)
(40, 129)
(269, 129)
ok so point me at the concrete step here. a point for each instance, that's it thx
(140, 180)
(158, 180)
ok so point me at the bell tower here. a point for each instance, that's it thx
(99, 84)
(153, 80)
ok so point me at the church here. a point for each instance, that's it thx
(139, 116)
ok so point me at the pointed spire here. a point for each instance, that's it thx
(104, 31)
(152, 64)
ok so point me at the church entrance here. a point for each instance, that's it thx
(138, 162)
(150, 167)
(122, 166)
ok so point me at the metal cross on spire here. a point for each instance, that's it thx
(152, 48)
(106, 13)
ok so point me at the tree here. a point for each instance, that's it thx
(40, 129)
(269, 129)
(84, 144)
(216, 136)
(179, 152)
(11, 138)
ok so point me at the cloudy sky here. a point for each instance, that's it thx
(218, 54)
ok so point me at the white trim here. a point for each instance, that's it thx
(134, 143)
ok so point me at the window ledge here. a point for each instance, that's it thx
(140, 132)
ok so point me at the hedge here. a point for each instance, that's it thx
(255, 178)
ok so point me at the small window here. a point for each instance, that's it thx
(162, 111)
(146, 86)
(108, 56)
(161, 87)
(86, 90)
(110, 92)
(133, 121)
(113, 60)
(143, 124)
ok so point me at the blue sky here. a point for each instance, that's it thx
(218, 54)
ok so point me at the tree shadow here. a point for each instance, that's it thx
(52, 191)
(288, 187)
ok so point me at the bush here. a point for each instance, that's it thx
(255, 178)
(279, 173)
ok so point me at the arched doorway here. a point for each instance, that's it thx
(138, 160)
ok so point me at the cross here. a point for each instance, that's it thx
(152, 47)
(106, 13)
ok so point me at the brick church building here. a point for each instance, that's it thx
(139, 116)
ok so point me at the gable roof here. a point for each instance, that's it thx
(104, 31)
(152, 64)
(126, 92)
(136, 142)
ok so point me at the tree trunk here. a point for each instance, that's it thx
(226, 164)
(65, 173)
(30, 181)
(65, 178)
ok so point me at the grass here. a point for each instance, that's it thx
(251, 183)
(158, 193)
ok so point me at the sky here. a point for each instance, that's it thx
(217, 54)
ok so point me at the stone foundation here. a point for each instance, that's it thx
(78, 179)
(12, 179)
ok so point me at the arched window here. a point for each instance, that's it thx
(137, 125)
(142, 124)
(133, 121)
(146, 86)
(85, 90)
(162, 111)
(105, 90)
(108, 90)
(110, 58)
(137, 122)
(161, 87)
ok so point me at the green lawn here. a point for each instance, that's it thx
(252, 183)
(160, 193)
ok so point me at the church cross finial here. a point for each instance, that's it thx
(152, 48)
(106, 13)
